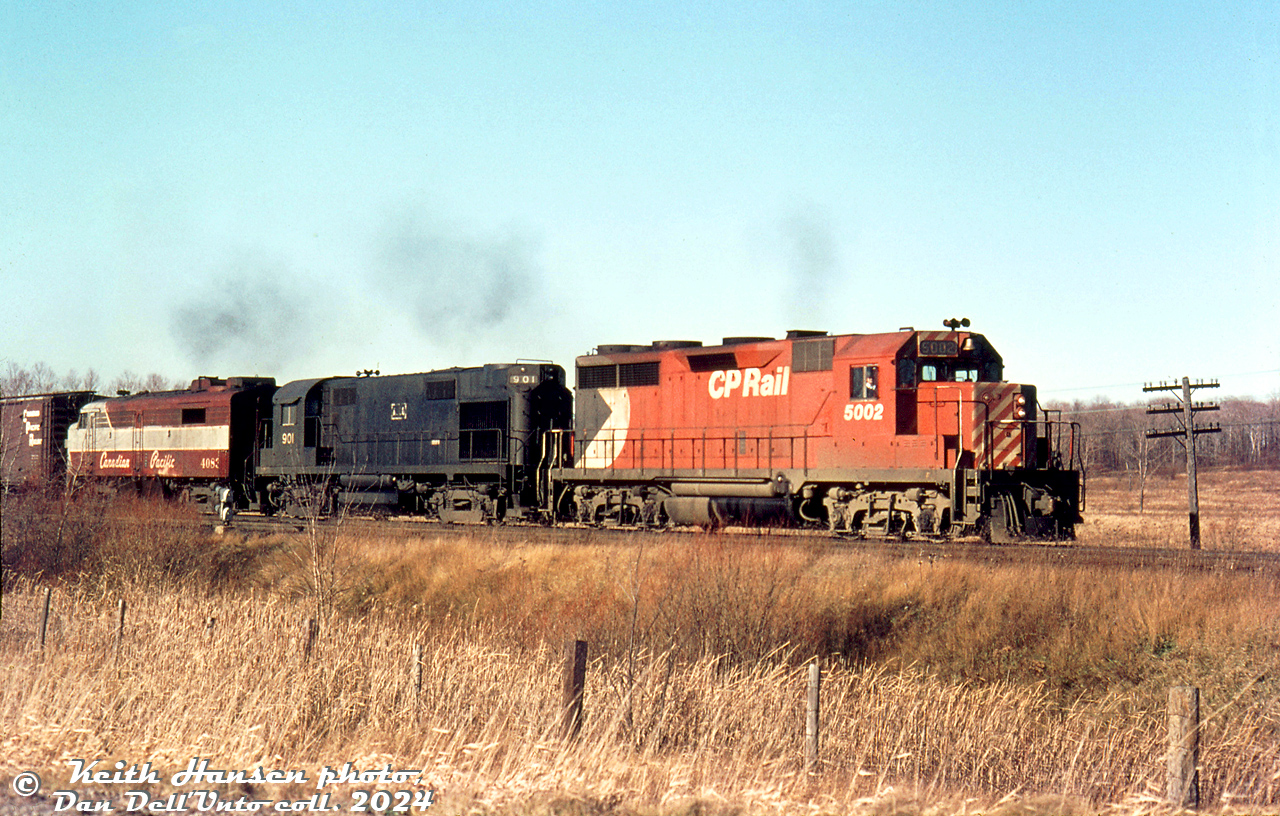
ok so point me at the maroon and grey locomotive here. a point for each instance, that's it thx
(199, 443)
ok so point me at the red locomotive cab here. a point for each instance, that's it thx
(923, 400)
(950, 398)
(978, 420)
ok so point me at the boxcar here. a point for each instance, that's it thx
(33, 432)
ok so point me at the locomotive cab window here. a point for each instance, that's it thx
(864, 382)
(960, 371)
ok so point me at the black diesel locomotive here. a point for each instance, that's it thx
(459, 445)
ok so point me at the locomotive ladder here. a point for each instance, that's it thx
(972, 489)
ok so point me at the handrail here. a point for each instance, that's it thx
(699, 449)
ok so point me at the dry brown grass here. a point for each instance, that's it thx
(484, 726)
(949, 688)
(1239, 510)
(1077, 630)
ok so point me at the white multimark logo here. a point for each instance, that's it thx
(749, 382)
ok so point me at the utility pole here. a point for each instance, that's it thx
(1187, 410)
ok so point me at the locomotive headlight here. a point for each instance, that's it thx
(1020, 406)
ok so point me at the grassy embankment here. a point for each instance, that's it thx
(948, 687)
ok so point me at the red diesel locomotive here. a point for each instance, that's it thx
(201, 443)
(909, 432)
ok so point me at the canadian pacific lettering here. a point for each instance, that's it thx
(118, 461)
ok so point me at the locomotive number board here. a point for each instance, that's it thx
(939, 348)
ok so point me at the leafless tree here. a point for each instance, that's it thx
(1115, 436)
(155, 382)
(43, 378)
(127, 381)
(16, 380)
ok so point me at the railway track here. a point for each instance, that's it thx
(1065, 555)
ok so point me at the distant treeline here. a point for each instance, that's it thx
(1115, 434)
(17, 380)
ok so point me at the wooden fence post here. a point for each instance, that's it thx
(120, 631)
(1184, 747)
(309, 632)
(208, 629)
(575, 678)
(416, 674)
(44, 616)
(811, 720)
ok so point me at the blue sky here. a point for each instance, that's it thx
(310, 189)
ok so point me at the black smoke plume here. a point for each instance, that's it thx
(455, 284)
(248, 319)
(813, 266)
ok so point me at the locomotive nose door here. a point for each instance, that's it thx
(137, 443)
(906, 397)
(89, 424)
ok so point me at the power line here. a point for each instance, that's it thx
(1117, 431)
(1135, 384)
(1088, 388)
(1134, 406)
